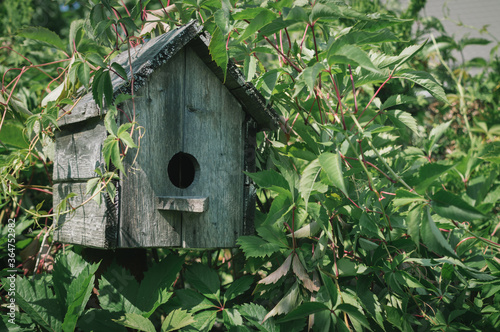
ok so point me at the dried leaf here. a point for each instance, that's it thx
(301, 272)
(280, 272)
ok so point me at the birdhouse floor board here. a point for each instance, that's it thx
(186, 204)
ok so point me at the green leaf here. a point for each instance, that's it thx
(107, 87)
(95, 59)
(250, 67)
(118, 291)
(232, 318)
(119, 70)
(426, 81)
(222, 19)
(255, 314)
(83, 74)
(403, 57)
(286, 304)
(395, 100)
(153, 290)
(266, 82)
(308, 181)
(413, 221)
(110, 121)
(451, 206)
(78, 294)
(311, 73)
(330, 288)
(268, 179)
(42, 35)
(254, 246)
(350, 54)
(365, 37)
(238, 287)
(111, 152)
(204, 280)
(354, 313)
(331, 164)
(403, 119)
(435, 134)
(303, 310)
(37, 299)
(125, 138)
(428, 173)
(137, 322)
(218, 50)
(76, 26)
(193, 301)
(404, 197)
(176, 320)
(263, 18)
(432, 237)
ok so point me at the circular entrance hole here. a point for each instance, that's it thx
(182, 169)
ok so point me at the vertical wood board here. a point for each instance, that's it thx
(213, 134)
(85, 226)
(79, 151)
(159, 106)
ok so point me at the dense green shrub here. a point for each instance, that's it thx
(377, 198)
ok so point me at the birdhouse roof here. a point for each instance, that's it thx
(148, 57)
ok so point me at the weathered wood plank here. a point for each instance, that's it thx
(88, 225)
(159, 111)
(185, 204)
(79, 151)
(213, 134)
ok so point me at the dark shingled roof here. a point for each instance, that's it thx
(146, 58)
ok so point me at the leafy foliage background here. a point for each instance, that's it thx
(377, 198)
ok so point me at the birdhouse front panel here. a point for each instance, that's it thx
(184, 186)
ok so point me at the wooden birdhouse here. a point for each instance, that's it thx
(185, 186)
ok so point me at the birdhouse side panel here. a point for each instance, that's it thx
(213, 134)
(78, 153)
(158, 113)
(87, 225)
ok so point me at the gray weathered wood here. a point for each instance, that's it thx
(184, 105)
(86, 225)
(79, 151)
(159, 112)
(214, 137)
(185, 204)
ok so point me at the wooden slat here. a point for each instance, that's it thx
(78, 151)
(214, 136)
(159, 112)
(184, 204)
(88, 225)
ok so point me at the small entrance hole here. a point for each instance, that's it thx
(182, 169)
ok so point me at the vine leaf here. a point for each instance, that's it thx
(280, 272)
(301, 273)
(286, 304)
(426, 81)
(136, 321)
(304, 310)
(453, 207)
(432, 237)
(176, 320)
(308, 181)
(254, 246)
(43, 35)
(218, 50)
(333, 169)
